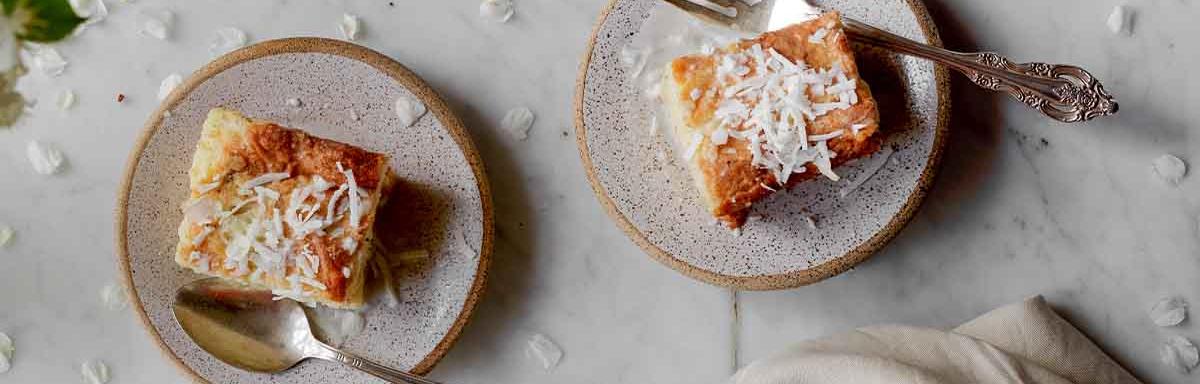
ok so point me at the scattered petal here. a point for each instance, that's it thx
(6, 235)
(46, 159)
(1179, 354)
(94, 10)
(544, 351)
(496, 11)
(226, 40)
(157, 25)
(94, 372)
(349, 26)
(1169, 312)
(48, 60)
(168, 84)
(1170, 169)
(66, 99)
(114, 298)
(6, 352)
(1119, 21)
(517, 122)
(294, 102)
(409, 111)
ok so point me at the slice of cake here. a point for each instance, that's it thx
(279, 209)
(763, 114)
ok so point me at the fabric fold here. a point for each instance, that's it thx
(1023, 343)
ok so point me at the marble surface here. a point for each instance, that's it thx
(1023, 206)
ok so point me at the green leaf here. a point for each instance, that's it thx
(41, 21)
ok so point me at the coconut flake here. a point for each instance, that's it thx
(65, 99)
(496, 11)
(1168, 312)
(157, 25)
(47, 59)
(517, 122)
(349, 26)
(854, 128)
(544, 351)
(94, 372)
(697, 138)
(818, 36)
(46, 159)
(168, 84)
(1179, 353)
(1170, 169)
(6, 235)
(113, 297)
(262, 179)
(355, 200)
(409, 110)
(226, 40)
(1120, 21)
(719, 136)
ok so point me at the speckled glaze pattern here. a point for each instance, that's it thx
(442, 203)
(652, 198)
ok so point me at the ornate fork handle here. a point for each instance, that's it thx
(1063, 92)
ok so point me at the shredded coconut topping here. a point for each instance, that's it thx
(765, 101)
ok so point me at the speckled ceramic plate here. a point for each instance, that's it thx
(441, 205)
(651, 198)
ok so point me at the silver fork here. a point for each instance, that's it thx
(1063, 92)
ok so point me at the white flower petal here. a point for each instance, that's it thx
(66, 99)
(544, 351)
(226, 40)
(517, 122)
(46, 159)
(6, 235)
(113, 297)
(94, 372)
(48, 60)
(496, 11)
(1179, 353)
(409, 110)
(1168, 312)
(168, 84)
(1170, 169)
(349, 26)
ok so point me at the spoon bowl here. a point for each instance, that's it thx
(253, 330)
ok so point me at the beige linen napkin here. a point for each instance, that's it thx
(1024, 342)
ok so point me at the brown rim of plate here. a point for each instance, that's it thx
(792, 279)
(379, 61)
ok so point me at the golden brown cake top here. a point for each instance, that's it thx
(774, 110)
(279, 208)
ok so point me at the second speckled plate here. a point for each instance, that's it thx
(651, 197)
(346, 93)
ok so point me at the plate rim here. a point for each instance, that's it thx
(794, 279)
(378, 61)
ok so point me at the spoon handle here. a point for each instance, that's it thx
(380, 371)
(1063, 92)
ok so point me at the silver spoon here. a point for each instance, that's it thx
(252, 331)
(1063, 92)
